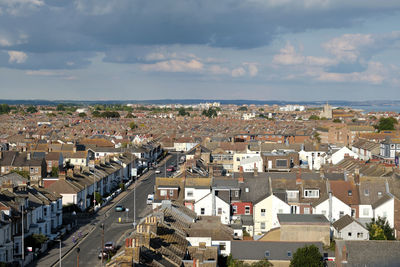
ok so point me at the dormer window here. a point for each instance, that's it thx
(366, 192)
(379, 193)
(311, 193)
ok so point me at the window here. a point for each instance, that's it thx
(36, 170)
(237, 159)
(350, 193)
(267, 253)
(237, 193)
(365, 212)
(280, 211)
(45, 211)
(202, 211)
(379, 193)
(189, 193)
(289, 253)
(360, 235)
(171, 193)
(292, 194)
(234, 209)
(31, 170)
(247, 210)
(222, 246)
(281, 163)
(163, 193)
(384, 215)
(306, 210)
(262, 212)
(219, 211)
(263, 225)
(247, 189)
(366, 192)
(349, 233)
(341, 214)
(311, 193)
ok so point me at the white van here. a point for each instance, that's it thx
(150, 199)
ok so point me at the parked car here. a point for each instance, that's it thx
(109, 246)
(150, 199)
(170, 168)
(119, 208)
(157, 171)
(105, 254)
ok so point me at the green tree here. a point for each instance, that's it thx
(4, 109)
(31, 109)
(211, 113)
(96, 114)
(243, 108)
(337, 121)
(98, 197)
(60, 107)
(380, 230)
(54, 171)
(307, 256)
(22, 173)
(133, 125)
(82, 115)
(36, 240)
(183, 112)
(230, 262)
(386, 124)
(313, 117)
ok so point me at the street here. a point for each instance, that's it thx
(113, 230)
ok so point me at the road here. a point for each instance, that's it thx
(113, 230)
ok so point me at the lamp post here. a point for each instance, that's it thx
(77, 256)
(22, 240)
(102, 243)
(59, 260)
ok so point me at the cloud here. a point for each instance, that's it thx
(251, 68)
(238, 72)
(174, 66)
(17, 57)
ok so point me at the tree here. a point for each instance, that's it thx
(60, 107)
(133, 125)
(211, 113)
(82, 115)
(24, 174)
(183, 112)
(230, 262)
(243, 108)
(337, 121)
(96, 114)
(380, 230)
(31, 109)
(54, 171)
(36, 240)
(98, 198)
(307, 256)
(4, 109)
(386, 124)
(313, 117)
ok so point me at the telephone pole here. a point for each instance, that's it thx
(102, 243)
(77, 256)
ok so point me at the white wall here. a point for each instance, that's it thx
(339, 155)
(206, 204)
(227, 243)
(387, 209)
(337, 207)
(353, 228)
(197, 193)
(368, 208)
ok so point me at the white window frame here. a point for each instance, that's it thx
(311, 193)
(247, 210)
(163, 192)
(263, 212)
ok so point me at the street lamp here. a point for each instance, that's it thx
(59, 250)
(102, 243)
(77, 255)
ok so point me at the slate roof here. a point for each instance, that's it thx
(370, 252)
(302, 219)
(344, 221)
(382, 200)
(278, 250)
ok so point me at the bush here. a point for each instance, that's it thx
(307, 256)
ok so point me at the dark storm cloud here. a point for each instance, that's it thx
(61, 27)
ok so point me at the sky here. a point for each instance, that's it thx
(200, 49)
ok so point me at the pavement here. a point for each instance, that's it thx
(88, 236)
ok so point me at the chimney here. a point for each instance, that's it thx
(255, 170)
(298, 177)
(61, 175)
(211, 170)
(28, 156)
(357, 176)
(241, 178)
(70, 172)
(1, 154)
(330, 207)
